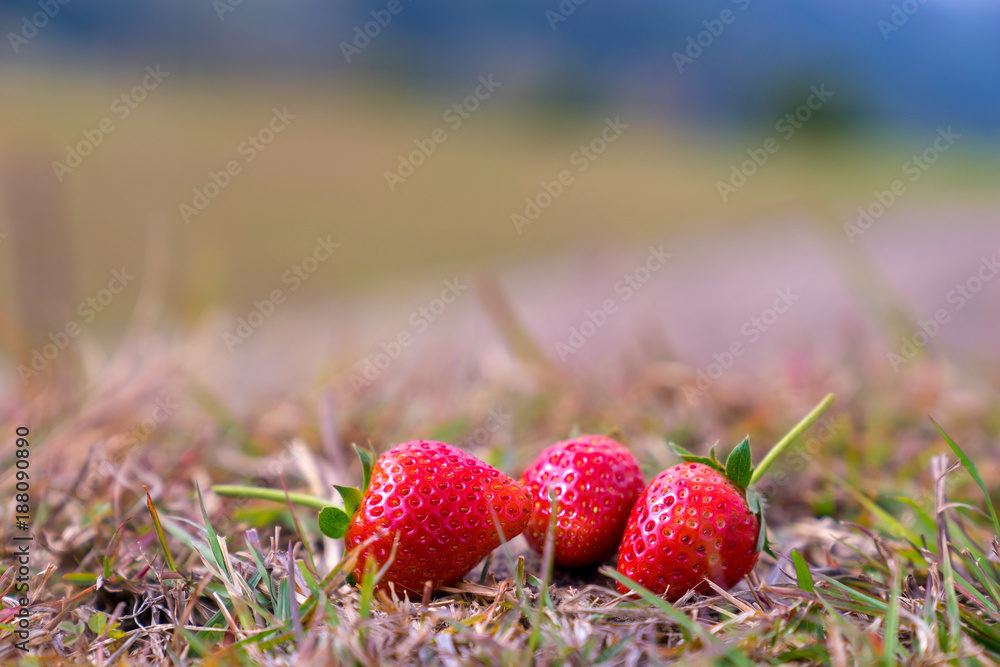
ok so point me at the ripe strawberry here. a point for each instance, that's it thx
(436, 499)
(596, 481)
(695, 521)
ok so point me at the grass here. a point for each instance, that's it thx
(883, 523)
(168, 575)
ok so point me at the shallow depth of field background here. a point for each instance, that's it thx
(701, 90)
(228, 253)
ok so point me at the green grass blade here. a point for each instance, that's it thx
(213, 538)
(688, 627)
(893, 524)
(874, 607)
(987, 582)
(159, 533)
(971, 467)
(802, 573)
(951, 597)
(892, 618)
(109, 553)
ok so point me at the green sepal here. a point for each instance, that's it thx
(616, 434)
(739, 466)
(351, 497)
(367, 463)
(333, 522)
(688, 457)
(757, 509)
(766, 547)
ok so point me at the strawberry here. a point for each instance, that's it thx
(596, 481)
(696, 521)
(436, 500)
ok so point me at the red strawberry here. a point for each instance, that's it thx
(437, 500)
(691, 524)
(596, 481)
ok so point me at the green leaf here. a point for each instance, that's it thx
(72, 629)
(739, 466)
(333, 522)
(802, 573)
(351, 496)
(688, 457)
(97, 622)
(367, 463)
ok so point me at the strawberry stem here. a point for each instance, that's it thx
(790, 437)
(277, 495)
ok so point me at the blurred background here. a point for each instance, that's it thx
(301, 187)
(238, 236)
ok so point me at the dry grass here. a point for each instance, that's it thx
(898, 568)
